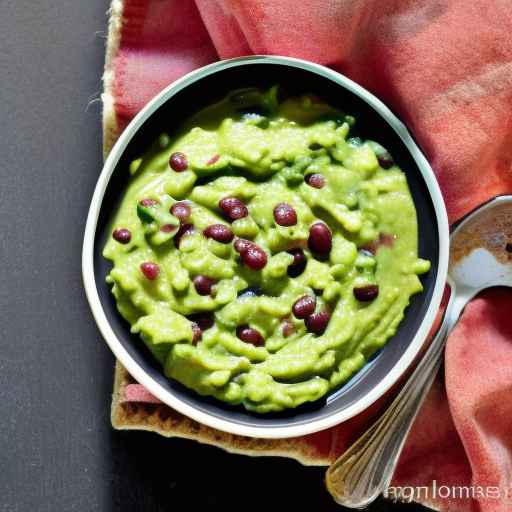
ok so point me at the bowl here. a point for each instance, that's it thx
(188, 95)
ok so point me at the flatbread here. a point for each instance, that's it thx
(167, 422)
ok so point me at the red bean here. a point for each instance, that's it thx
(181, 211)
(184, 230)
(238, 212)
(219, 232)
(317, 322)
(254, 257)
(213, 159)
(229, 202)
(315, 180)
(122, 235)
(203, 320)
(320, 238)
(148, 202)
(178, 162)
(385, 160)
(304, 306)
(250, 335)
(241, 244)
(285, 215)
(287, 328)
(168, 228)
(197, 333)
(233, 208)
(204, 284)
(300, 261)
(366, 293)
(150, 270)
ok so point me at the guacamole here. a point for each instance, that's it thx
(264, 252)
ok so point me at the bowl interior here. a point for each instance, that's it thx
(371, 124)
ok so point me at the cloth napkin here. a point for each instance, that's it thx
(445, 66)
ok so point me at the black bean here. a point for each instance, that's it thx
(385, 160)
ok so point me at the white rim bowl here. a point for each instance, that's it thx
(154, 387)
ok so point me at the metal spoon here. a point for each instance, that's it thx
(480, 257)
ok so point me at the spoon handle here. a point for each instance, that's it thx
(364, 471)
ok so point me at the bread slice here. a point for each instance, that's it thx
(312, 450)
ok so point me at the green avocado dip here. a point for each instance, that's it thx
(263, 253)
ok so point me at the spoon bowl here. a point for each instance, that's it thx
(481, 248)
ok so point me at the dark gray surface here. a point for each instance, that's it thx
(57, 449)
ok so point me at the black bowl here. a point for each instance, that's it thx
(375, 121)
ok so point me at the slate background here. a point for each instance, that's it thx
(57, 449)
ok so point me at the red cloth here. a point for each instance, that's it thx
(445, 66)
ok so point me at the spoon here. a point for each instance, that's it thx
(480, 257)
